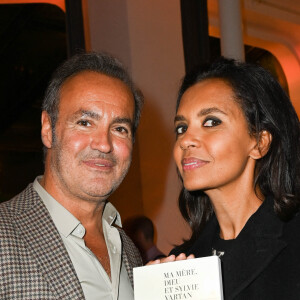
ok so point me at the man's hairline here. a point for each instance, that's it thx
(128, 85)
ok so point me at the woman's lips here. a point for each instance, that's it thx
(192, 163)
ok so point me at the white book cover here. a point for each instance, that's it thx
(198, 278)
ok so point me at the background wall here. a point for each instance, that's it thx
(146, 36)
(273, 25)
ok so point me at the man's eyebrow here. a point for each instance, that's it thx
(87, 113)
(123, 120)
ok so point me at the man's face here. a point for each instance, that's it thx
(91, 152)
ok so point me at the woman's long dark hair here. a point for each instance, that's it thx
(266, 107)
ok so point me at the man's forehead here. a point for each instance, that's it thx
(97, 94)
(89, 81)
(87, 75)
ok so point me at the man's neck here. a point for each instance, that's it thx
(88, 212)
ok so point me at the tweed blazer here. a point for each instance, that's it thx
(34, 263)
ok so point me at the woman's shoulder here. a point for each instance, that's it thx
(292, 226)
(199, 245)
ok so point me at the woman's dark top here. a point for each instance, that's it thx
(262, 263)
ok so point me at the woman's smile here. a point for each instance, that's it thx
(191, 163)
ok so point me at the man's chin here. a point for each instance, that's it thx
(98, 195)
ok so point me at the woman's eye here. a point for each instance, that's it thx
(84, 123)
(211, 122)
(180, 129)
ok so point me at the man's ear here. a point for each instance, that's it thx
(46, 131)
(263, 145)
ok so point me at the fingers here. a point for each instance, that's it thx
(182, 256)
(152, 262)
(170, 258)
(162, 260)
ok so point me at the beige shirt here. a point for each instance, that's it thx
(94, 280)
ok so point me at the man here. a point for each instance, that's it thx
(141, 230)
(60, 238)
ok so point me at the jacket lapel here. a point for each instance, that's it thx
(254, 249)
(203, 245)
(130, 255)
(46, 246)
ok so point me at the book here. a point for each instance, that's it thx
(198, 278)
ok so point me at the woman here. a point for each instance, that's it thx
(237, 152)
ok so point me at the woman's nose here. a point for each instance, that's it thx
(189, 140)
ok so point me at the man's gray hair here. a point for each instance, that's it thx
(92, 61)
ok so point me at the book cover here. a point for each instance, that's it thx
(198, 278)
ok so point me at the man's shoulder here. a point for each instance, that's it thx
(10, 237)
(19, 203)
(23, 196)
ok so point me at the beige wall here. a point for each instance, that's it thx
(146, 36)
(273, 27)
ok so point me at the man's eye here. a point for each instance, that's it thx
(211, 122)
(84, 123)
(122, 129)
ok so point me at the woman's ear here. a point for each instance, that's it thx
(263, 145)
(46, 131)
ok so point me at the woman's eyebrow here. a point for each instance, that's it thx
(179, 118)
(209, 110)
(202, 112)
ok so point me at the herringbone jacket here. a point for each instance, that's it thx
(34, 263)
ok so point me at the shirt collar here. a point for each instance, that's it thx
(64, 221)
(111, 215)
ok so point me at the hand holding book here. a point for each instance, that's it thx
(170, 258)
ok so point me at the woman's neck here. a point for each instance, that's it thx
(233, 209)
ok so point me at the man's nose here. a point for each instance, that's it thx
(101, 140)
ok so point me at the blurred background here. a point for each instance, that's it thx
(158, 41)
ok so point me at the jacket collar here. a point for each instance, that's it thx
(43, 241)
(39, 232)
(253, 250)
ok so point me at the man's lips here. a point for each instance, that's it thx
(192, 163)
(100, 164)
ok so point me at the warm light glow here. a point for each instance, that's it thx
(59, 3)
(289, 58)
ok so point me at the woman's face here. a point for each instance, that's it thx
(213, 145)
